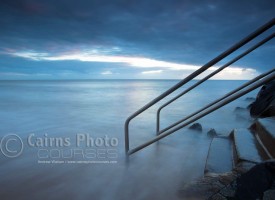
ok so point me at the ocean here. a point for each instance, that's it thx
(72, 137)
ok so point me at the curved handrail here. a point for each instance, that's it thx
(158, 131)
(193, 75)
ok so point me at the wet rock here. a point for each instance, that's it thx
(264, 105)
(212, 132)
(269, 195)
(253, 184)
(196, 127)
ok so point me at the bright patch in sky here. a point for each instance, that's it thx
(139, 62)
(107, 73)
(152, 72)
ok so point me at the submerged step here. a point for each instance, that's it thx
(219, 159)
(265, 130)
(247, 147)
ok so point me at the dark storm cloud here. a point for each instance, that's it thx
(174, 30)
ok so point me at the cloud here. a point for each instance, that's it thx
(160, 34)
(30, 55)
(87, 57)
(137, 62)
(236, 73)
(152, 72)
(107, 73)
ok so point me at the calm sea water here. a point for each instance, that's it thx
(63, 109)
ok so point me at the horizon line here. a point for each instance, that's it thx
(102, 79)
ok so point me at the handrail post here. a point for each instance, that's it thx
(158, 122)
(126, 127)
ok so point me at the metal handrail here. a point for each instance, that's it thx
(187, 79)
(158, 131)
(222, 103)
(218, 100)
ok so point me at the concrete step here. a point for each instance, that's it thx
(247, 148)
(264, 129)
(220, 158)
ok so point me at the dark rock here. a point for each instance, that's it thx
(269, 195)
(227, 178)
(212, 132)
(217, 197)
(196, 126)
(228, 191)
(253, 184)
(250, 99)
(201, 189)
(244, 166)
(270, 165)
(212, 187)
(249, 106)
(240, 109)
(273, 186)
(264, 105)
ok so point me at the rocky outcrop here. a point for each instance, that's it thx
(264, 105)
(239, 184)
(212, 186)
(208, 187)
(254, 183)
(212, 133)
(196, 127)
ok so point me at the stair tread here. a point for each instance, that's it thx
(219, 158)
(265, 130)
(245, 144)
(269, 125)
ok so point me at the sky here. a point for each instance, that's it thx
(129, 39)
